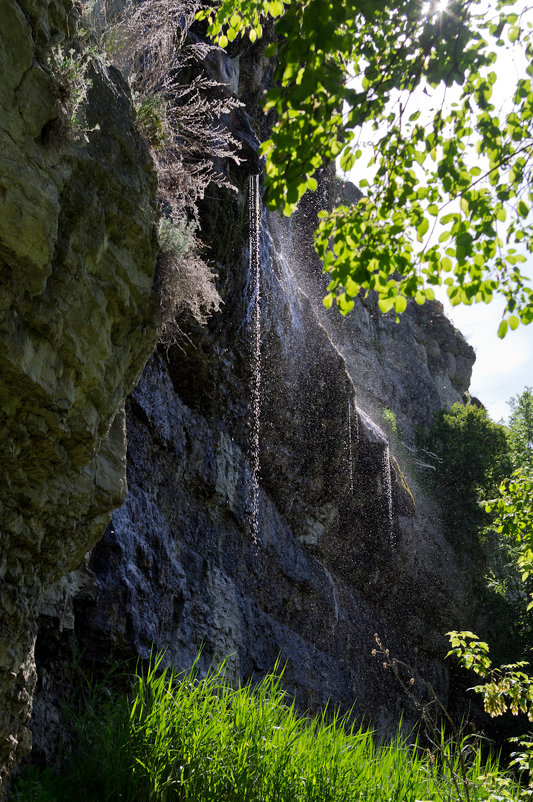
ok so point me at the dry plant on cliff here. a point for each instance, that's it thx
(181, 111)
(152, 46)
(185, 280)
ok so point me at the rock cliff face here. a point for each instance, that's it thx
(339, 549)
(265, 515)
(78, 320)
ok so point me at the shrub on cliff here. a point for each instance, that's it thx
(179, 110)
(185, 280)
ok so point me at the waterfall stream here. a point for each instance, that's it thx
(387, 481)
(378, 436)
(254, 212)
(350, 447)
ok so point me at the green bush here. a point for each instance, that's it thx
(150, 114)
(69, 70)
(470, 454)
(183, 738)
(521, 429)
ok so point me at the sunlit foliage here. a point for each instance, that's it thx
(507, 688)
(450, 201)
(181, 737)
(513, 510)
(470, 456)
(521, 429)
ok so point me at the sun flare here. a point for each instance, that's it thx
(435, 7)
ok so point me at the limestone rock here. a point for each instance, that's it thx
(78, 320)
(343, 547)
(415, 367)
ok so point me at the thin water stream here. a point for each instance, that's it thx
(379, 436)
(254, 219)
(350, 447)
(260, 245)
(387, 480)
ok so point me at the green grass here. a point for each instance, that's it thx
(180, 738)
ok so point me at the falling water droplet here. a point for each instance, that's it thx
(254, 208)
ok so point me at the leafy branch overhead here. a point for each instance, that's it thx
(450, 200)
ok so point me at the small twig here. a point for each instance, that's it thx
(430, 722)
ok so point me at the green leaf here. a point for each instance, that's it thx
(385, 305)
(347, 160)
(522, 208)
(275, 8)
(422, 228)
(502, 329)
(345, 304)
(400, 304)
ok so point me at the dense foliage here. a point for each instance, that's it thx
(450, 201)
(509, 688)
(521, 429)
(510, 509)
(513, 520)
(470, 454)
(188, 739)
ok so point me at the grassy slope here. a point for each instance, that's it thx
(184, 739)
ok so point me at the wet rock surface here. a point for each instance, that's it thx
(343, 549)
(413, 367)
